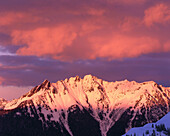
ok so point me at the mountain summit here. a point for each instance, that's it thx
(88, 106)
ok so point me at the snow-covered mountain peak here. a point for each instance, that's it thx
(105, 101)
(45, 83)
(89, 77)
(43, 87)
(95, 89)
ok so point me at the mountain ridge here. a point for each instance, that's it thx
(106, 102)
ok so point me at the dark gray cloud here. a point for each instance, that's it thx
(26, 71)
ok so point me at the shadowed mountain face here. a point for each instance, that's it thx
(84, 107)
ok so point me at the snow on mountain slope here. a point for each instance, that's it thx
(165, 120)
(150, 128)
(106, 101)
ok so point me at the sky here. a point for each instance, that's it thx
(56, 39)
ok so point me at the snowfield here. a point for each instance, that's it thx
(151, 129)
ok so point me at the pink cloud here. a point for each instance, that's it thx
(56, 41)
(167, 46)
(44, 41)
(159, 13)
(95, 12)
(95, 30)
(1, 80)
(88, 10)
(90, 26)
(130, 23)
(122, 46)
(11, 18)
(128, 1)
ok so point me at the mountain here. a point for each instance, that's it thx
(84, 107)
(160, 128)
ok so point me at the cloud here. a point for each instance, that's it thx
(66, 31)
(1, 80)
(44, 41)
(122, 46)
(167, 46)
(3, 51)
(60, 43)
(11, 18)
(90, 26)
(130, 2)
(158, 14)
(146, 67)
(130, 23)
(95, 12)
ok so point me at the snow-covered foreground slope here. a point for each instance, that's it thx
(153, 129)
(115, 106)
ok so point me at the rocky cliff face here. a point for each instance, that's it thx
(88, 106)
